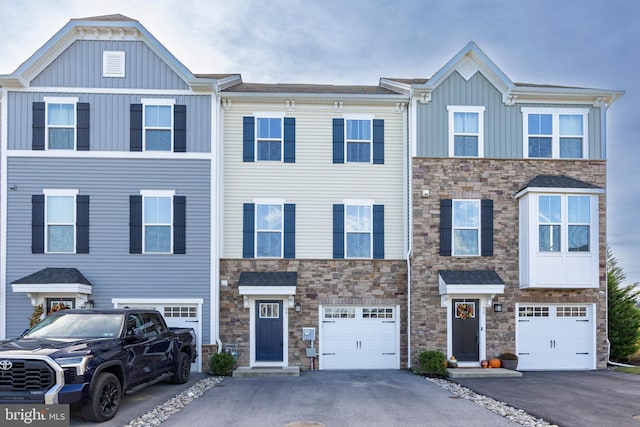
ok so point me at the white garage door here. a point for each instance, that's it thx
(555, 337)
(359, 338)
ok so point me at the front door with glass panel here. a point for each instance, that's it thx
(465, 330)
(269, 333)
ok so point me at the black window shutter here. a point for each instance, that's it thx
(83, 119)
(135, 136)
(338, 231)
(378, 142)
(445, 226)
(289, 140)
(82, 224)
(248, 139)
(135, 224)
(248, 227)
(180, 128)
(179, 224)
(38, 126)
(378, 231)
(289, 230)
(37, 224)
(338, 140)
(486, 227)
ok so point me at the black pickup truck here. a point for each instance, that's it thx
(92, 357)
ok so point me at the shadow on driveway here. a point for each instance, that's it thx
(568, 398)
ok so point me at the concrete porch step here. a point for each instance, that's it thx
(482, 373)
(287, 371)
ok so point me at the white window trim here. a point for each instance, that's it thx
(59, 193)
(256, 202)
(149, 102)
(268, 115)
(358, 202)
(111, 54)
(346, 118)
(60, 100)
(452, 109)
(564, 224)
(454, 228)
(157, 193)
(555, 136)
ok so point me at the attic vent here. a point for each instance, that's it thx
(112, 64)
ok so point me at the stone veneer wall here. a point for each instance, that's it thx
(320, 282)
(495, 179)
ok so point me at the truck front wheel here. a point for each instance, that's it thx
(105, 399)
(182, 370)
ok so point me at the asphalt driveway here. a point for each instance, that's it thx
(333, 398)
(569, 398)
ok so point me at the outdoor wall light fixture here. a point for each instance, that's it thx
(497, 308)
(298, 307)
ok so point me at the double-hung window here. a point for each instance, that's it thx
(158, 124)
(61, 123)
(466, 228)
(557, 134)
(358, 140)
(269, 143)
(157, 221)
(60, 221)
(358, 230)
(564, 215)
(466, 131)
(269, 230)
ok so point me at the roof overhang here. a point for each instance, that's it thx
(478, 282)
(528, 190)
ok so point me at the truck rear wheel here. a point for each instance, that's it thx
(182, 369)
(105, 399)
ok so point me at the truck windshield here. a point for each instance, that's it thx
(78, 326)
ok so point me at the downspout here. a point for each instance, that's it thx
(603, 135)
(409, 206)
(4, 145)
(216, 176)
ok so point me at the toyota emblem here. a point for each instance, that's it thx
(5, 365)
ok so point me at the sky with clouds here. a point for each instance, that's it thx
(587, 43)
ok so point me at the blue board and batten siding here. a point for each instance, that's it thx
(109, 126)
(113, 271)
(143, 68)
(503, 129)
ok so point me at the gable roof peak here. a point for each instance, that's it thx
(107, 18)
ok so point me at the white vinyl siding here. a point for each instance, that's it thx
(314, 183)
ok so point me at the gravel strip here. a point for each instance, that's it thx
(516, 415)
(161, 413)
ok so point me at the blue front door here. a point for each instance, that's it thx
(269, 331)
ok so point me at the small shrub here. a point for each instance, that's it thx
(222, 364)
(432, 363)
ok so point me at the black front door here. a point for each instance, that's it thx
(465, 329)
(269, 331)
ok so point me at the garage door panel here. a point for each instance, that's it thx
(555, 337)
(359, 338)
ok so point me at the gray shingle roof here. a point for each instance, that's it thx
(470, 277)
(557, 181)
(54, 275)
(275, 278)
(308, 88)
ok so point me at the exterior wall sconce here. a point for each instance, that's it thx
(298, 307)
(497, 308)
